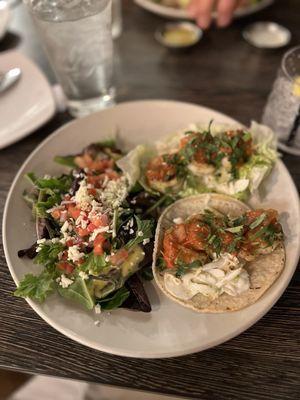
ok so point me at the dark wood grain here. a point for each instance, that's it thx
(224, 73)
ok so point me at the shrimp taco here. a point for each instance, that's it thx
(214, 254)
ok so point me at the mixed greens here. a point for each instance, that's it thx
(93, 237)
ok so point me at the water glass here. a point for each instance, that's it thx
(77, 37)
(282, 111)
(116, 19)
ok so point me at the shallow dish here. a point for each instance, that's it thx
(28, 104)
(169, 330)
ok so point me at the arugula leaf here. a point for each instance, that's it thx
(94, 263)
(30, 198)
(144, 231)
(114, 300)
(65, 160)
(79, 292)
(36, 287)
(31, 177)
(47, 199)
(62, 183)
(48, 254)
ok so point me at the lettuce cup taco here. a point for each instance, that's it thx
(214, 254)
(224, 159)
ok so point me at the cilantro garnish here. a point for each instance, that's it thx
(183, 268)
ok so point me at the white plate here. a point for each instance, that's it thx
(169, 330)
(4, 17)
(171, 12)
(28, 104)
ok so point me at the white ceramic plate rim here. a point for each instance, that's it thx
(49, 108)
(182, 14)
(108, 349)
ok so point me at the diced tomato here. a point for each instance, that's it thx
(70, 243)
(92, 192)
(82, 231)
(64, 255)
(119, 257)
(99, 220)
(65, 266)
(56, 213)
(102, 165)
(111, 174)
(73, 212)
(80, 261)
(98, 244)
(91, 227)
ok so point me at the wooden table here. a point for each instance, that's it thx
(224, 73)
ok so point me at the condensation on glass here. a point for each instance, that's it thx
(282, 111)
(77, 37)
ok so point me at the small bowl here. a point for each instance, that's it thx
(193, 30)
(267, 35)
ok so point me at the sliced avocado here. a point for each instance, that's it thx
(102, 288)
(131, 265)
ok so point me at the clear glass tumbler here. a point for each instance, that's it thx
(116, 18)
(282, 111)
(77, 37)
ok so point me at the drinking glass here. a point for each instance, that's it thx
(77, 37)
(116, 18)
(282, 111)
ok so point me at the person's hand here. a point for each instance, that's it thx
(202, 10)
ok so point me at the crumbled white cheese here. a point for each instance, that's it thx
(65, 282)
(97, 309)
(65, 227)
(146, 241)
(114, 193)
(82, 196)
(83, 275)
(102, 229)
(97, 323)
(40, 241)
(131, 231)
(74, 253)
(140, 233)
(178, 221)
(55, 240)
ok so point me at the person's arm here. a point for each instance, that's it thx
(202, 10)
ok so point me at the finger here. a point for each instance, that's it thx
(225, 10)
(201, 10)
